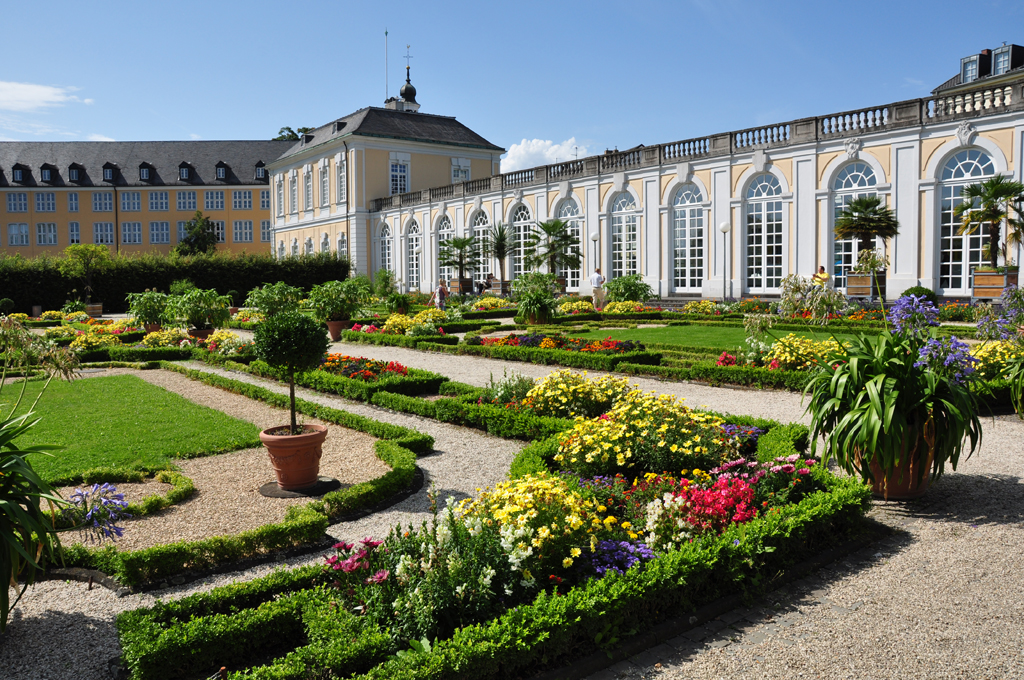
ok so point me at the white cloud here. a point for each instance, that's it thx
(32, 97)
(193, 135)
(533, 152)
(100, 138)
(88, 101)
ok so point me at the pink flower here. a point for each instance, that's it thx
(803, 471)
(370, 543)
(773, 365)
(343, 546)
(788, 468)
(379, 577)
(357, 327)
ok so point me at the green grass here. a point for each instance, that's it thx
(695, 336)
(122, 423)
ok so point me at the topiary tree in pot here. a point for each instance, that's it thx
(292, 342)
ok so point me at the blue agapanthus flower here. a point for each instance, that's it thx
(913, 313)
(950, 358)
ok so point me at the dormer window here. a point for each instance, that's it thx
(46, 175)
(109, 172)
(144, 173)
(18, 175)
(261, 171)
(73, 174)
(1001, 60)
(969, 70)
(222, 170)
(185, 172)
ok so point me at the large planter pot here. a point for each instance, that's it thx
(865, 285)
(561, 282)
(336, 327)
(990, 285)
(536, 319)
(902, 484)
(200, 333)
(501, 288)
(152, 327)
(94, 310)
(232, 310)
(461, 286)
(295, 458)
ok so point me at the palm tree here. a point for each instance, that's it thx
(553, 245)
(500, 245)
(989, 203)
(462, 253)
(865, 217)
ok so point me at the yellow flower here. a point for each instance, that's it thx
(567, 562)
(575, 552)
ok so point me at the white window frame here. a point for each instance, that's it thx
(131, 233)
(413, 240)
(569, 211)
(182, 230)
(325, 243)
(46, 234)
(280, 197)
(1001, 54)
(74, 233)
(222, 172)
(159, 232)
(625, 236)
(219, 230)
(103, 201)
(385, 248)
(131, 201)
(445, 231)
(522, 227)
(398, 173)
(242, 231)
(144, 174)
(188, 201)
(265, 199)
(108, 174)
(213, 199)
(266, 231)
(341, 163)
(72, 201)
(73, 174)
(688, 238)
(46, 201)
(293, 193)
(183, 173)
(963, 251)
(17, 202)
(45, 174)
(17, 234)
(969, 70)
(18, 174)
(764, 259)
(342, 244)
(461, 168)
(854, 180)
(103, 233)
(481, 228)
(241, 199)
(159, 201)
(325, 185)
(307, 190)
(261, 172)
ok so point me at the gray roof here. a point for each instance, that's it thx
(393, 124)
(956, 81)
(164, 158)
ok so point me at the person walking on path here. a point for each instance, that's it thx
(597, 283)
(439, 296)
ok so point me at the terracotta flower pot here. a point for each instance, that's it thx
(200, 333)
(232, 310)
(336, 327)
(152, 327)
(295, 458)
(902, 484)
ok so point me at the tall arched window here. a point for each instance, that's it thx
(385, 247)
(445, 231)
(325, 243)
(342, 245)
(856, 180)
(764, 234)
(688, 238)
(280, 250)
(624, 236)
(480, 231)
(521, 228)
(569, 212)
(308, 245)
(413, 243)
(959, 255)
(295, 247)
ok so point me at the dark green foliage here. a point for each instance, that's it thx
(39, 281)
(291, 341)
(199, 236)
(117, 353)
(921, 291)
(782, 440)
(729, 375)
(6, 306)
(588, 360)
(411, 341)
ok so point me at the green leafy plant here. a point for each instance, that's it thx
(384, 283)
(200, 309)
(337, 300)
(866, 218)
(628, 289)
(398, 303)
(500, 246)
(291, 342)
(6, 306)
(84, 261)
(988, 204)
(921, 291)
(538, 306)
(181, 286)
(274, 298)
(553, 244)
(461, 253)
(200, 236)
(880, 405)
(148, 307)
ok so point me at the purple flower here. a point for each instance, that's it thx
(912, 314)
(949, 358)
(97, 510)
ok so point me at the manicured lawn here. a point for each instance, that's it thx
(694, 336)
(122, 422)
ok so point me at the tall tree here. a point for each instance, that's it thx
(499, 238)
(286, 134)
(988, 204)
(553, 244)
(199, 236)
(866, 218)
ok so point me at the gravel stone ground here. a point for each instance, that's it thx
(943, 597)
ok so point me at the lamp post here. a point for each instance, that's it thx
(594, 238)
(724, 227)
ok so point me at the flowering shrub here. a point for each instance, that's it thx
(750, 306)
(786, 479)
(956, 311)
(96, 511)
(58, 332)
(866, 315)
(397, 324)
(542, 341)
(77, 317)
(647, 432)
(543, 524)
(948, 357)
(368, 328)
(614, 556)
(486, 304)
(726, 359)
(249, 315)
(18, 316)
(117, 327)
(627, 308)
(361, 368)
(693, 511)
(567, 394)
(794, 352)
(168, 337)
(705, 307)
(85, 342)
(421, 329)
(431, 317)
(576, 307)
(51, 315)
(912, 314)
(993, 357)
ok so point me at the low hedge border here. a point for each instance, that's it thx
(549, 632)
(708, 372)
(243, 325)
(149, 353)
(41, 324)
(410, 341)
(506, 313)
(588, 360)
(435, 347)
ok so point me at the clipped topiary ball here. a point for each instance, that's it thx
(918, 291)
(6, 305)
(292, 341)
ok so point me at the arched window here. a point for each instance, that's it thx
(856, 180)
(960, 254)
(309, 245)
(764, 234)
(521, 229)
(295, 247)
(688, 238)
(624, 236)
(480, 231)
(280, 250)
(325, 243)
(413, 250)
(569, 212)
(342, 245)
(445, 231)
(385, 247)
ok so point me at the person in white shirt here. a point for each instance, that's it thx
(597, 283)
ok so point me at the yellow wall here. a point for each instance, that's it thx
(785, 166)
(377, 178)
(824, 159)
(478, 168)
(928, 147)
(737, 172)
(1004, 140)
(883, 154)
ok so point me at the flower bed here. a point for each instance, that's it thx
(361, 368)
(600, 361)
(544, 341)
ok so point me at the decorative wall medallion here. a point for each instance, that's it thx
(518, 195)
(965, 133)
(760, 160)
(477, 202)
(853, 147)
(683, 171)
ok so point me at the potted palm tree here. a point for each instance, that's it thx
(203, 311)
(987, 204)
(334, 303)
(148, 308)
(463, 254)
(553, 244)
(293, 342)
(866, 218)
(499, 239)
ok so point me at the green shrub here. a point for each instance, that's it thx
(922, 291)
(588, 360)
(274, 298)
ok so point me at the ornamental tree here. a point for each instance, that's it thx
(291, 342)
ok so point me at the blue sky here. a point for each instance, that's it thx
(535, 77)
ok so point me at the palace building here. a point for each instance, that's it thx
(726, 214)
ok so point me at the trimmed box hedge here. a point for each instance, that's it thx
(416, 382)
(116, 353)
(709, 372)
(588, 360)
(410, 341)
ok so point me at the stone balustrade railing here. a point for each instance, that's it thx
(985, 101)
